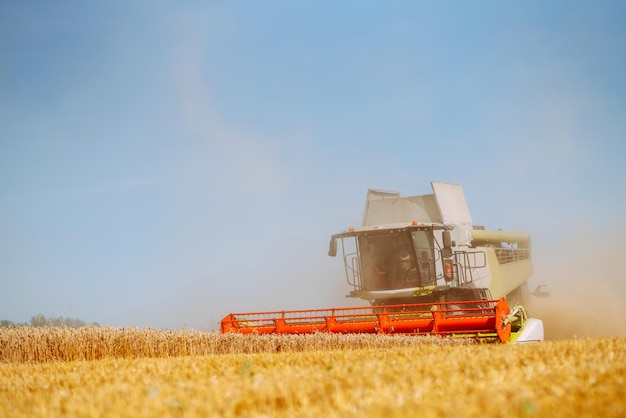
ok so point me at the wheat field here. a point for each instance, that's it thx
(24, 344)
(95, 372)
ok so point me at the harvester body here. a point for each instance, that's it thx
(425, 269)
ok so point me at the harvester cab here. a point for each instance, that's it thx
(425, 248)
(424, 268)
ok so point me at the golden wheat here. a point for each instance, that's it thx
(25, 344)
(428, 378)
(437, 381)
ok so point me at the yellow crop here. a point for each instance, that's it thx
(424, 377)
(24, 344)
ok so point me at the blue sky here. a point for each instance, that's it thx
(165, 163)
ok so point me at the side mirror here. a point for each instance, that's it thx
(447, 244)
(332, 250)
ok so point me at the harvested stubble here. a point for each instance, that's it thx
(568, 378)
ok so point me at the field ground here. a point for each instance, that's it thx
(424, 377)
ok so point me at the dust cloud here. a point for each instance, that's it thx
(292, 272)
(586, 284)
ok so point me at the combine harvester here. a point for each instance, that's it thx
(425, 269)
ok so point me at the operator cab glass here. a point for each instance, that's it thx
(397, 260)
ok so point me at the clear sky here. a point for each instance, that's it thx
(165, 163)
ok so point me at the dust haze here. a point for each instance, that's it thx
(259, 244)
(249, 246)
(587, 287)
(293, 272)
